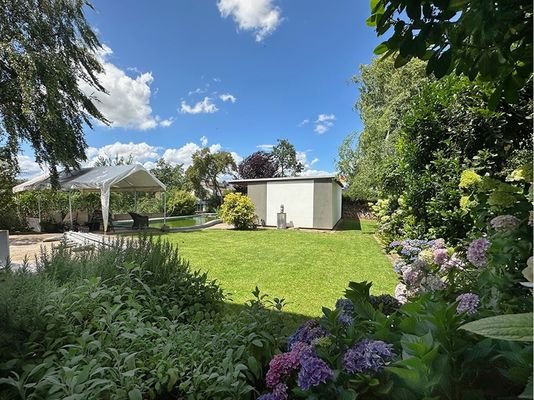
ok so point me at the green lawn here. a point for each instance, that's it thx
(309, 269)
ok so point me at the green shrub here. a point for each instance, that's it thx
(168, 276)
(114, 339)
(180, 202)
(238, 210)
(129, 322)
(22, 296)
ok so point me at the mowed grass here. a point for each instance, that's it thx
(309, 269)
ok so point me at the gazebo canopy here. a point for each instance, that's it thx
(121, 178)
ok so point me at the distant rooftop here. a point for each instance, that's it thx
(287, 178)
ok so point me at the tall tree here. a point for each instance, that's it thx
(46, 49)
(258, 165)
(489, 40)
(172, 176)
(286, 157)
(206, 170)
(385, 94)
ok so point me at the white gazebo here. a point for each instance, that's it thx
(121, 178)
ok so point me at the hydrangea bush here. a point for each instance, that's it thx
(423, 344)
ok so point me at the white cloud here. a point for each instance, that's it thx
(308, 171)
(237, 157)
(315, 172)
(325, 117)
(165, 123)
(324, 122)
(127, 103)
(321, 128)
(304, 122)
(204, 141)
(184, 155)
(259, 16)
(28, 167)
(141, 152)
(227, 97)
(196, 91)
(265, 147)
(202, 107)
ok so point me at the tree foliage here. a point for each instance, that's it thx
(489, 40)
(46, 49)
(258, 165)
(206, 170)
(181, 202)
(172, 176)
(286, 156)
(385, 93)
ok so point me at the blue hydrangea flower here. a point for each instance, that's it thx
(347, 309)
(313, 371)
(306, 333)
(367, 356)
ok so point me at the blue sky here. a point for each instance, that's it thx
(232, 74)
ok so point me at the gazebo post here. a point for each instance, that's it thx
(39, 207)
(135, 201)
(70, 211)
(164, 208)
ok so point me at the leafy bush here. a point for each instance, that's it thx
(22, 295)
(238, 210)
(129, 322)
(181, 202)
(430, 347)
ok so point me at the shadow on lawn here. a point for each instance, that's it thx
(291, 320)
(349, 225)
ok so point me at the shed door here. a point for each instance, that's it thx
(297, 198)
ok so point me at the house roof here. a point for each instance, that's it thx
(333, 178)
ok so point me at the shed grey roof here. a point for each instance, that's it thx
(287, 178)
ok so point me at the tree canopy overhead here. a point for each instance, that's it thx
(489, 40)
(46, 49)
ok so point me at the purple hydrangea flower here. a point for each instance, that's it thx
(280, 391)
(399, 266)
(411, 276)
(455, 262)
(395, 243)
(268, 396)
(307, 332)
(347, 308)
(283, 364)
(280, 367)
(313, 371)
(440, 256)
(468, 303)
(367, 356)
(476, 253)
(504, 223)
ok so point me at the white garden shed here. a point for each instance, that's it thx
(309, 202)
(121, 178)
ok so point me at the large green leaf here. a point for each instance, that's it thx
(513, 327)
